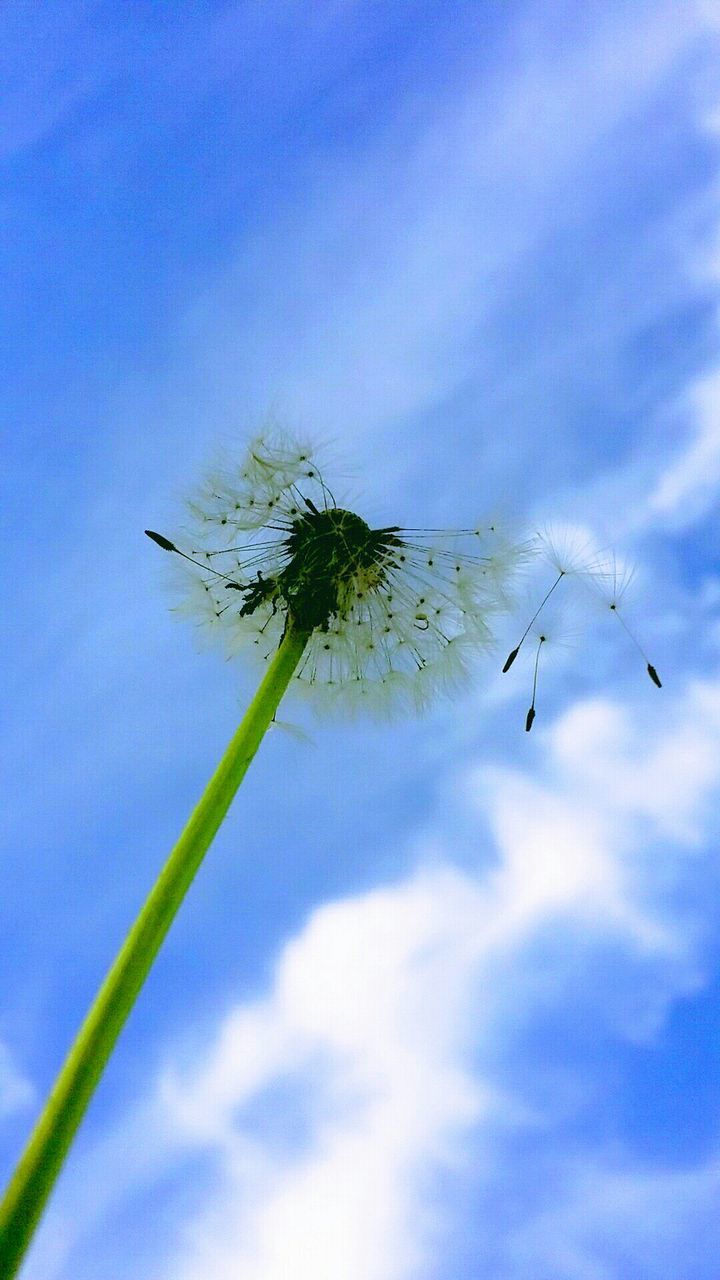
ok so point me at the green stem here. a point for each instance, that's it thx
(43, 1157)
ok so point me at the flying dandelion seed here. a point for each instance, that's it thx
(574, 560)
(570, 558)
(611, 588)
(553, 635)
(393, 615)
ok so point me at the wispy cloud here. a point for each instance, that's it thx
(395, 255)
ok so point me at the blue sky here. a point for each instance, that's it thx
(443, 1001)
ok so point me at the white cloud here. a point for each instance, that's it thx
(354, 998)
(364, 1035)
(664, 780)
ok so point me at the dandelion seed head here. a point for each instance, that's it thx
(506, 553)
(393, 616)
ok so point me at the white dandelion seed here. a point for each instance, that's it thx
(393, 615)
(551, 636)
(610, 590)
(570, 557)
(570, 551)
(573, 558)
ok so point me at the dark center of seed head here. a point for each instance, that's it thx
(327, 550)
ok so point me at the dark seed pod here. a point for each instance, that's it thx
(161, 541)
(511, 658)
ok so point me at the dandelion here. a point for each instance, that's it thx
(355, 615)
(389, 615)
(272, 566)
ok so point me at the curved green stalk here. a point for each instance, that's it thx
(42, 1160)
